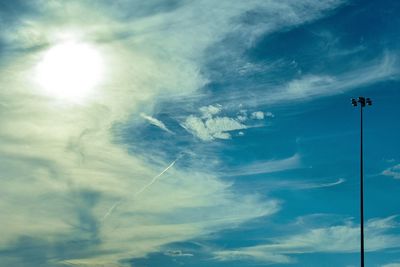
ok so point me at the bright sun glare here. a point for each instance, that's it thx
(70, 70)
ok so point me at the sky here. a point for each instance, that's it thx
(166, 133)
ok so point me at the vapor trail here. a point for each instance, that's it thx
(111, 210)
(155, 178)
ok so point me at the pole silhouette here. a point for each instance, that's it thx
(363, 102)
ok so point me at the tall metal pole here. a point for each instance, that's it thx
(363, 101)
(361, 187)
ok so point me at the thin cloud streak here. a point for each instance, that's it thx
(393, 172)
(311, 86)
(331, 239)
(394, 264)
(301, 185)
(265, 167)
(324, 185)
(156, 122)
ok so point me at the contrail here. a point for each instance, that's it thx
(155, 178)
(312, 186)
(111, 210)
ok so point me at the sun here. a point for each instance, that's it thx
(70, 70)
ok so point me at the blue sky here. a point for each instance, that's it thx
(197, 133)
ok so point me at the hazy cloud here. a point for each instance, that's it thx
(393, 172)
(177, 253)
(267, 166)
(313, 85)
(280, 184)
(156, 122)
(391, 265)
(259, 115)
(331, 239)
(209, 111)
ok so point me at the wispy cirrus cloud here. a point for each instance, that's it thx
(329, 239)
(305, 87)
(213, 128)
(323, 185)
(178, 253)
(394, 264)
(156, 122)
(393, 171)
(380, 69)
(269, 166)
(282, 184)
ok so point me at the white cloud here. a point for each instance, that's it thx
(210, 111)
(332, 239)
(156, 122)
(393, 172)
(300, 185)
(383, 68)
(177, 253)
(324, 185)
(242, 115)
(269, 166)
(310, 86)
(241, 118)
(209, 126)
(212, 128)
(259, 115)
(269, 114)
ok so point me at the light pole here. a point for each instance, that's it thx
(363, 102)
